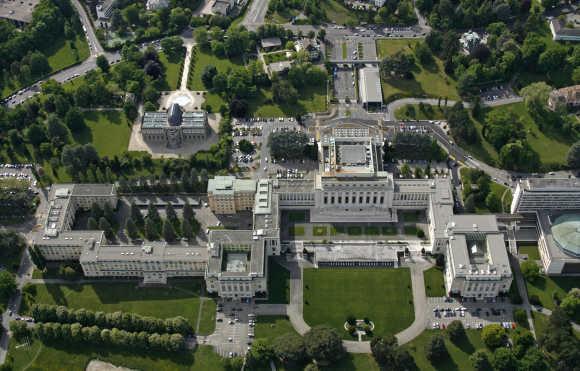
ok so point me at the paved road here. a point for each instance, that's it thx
(256, 14)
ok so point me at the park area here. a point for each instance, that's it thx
(434, 283)
(382, 295)
(181, 299)
(427, 82)
(172, 71)
(312, 99)
(107, 131)
(546, 287)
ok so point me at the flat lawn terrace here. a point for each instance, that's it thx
(429, 81)
(182, 298)
(312, 99)
(107, 131)
(546, 287)
(382, 295)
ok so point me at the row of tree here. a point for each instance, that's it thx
(413, 146)
(291, 145)
(152, 226)
(121, 320)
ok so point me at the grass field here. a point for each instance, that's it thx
(297, 216)
(270, 327)
(434, 283)
(38, 356)
(547, 286)
(552, 147)
(60, 55)
(531, 250)
(297, 230)
(354, 362)
(427, 82)
(383, 295)
(458, 355)
(429, 113)
(278, 283)
(180, 300)
(276, 56)
(389, 230)
(337, 13)
(319, 230)
(410, 216)
(108, 131)
(172, 71)
(410, 230)
(312, 99)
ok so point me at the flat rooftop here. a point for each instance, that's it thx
(356, 252)
(370, 85)
(551, 184)
(17, 10)
(225, 185)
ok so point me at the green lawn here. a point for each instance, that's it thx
(434, 283)
(410, 216)
(354, 362)
(411, 230)
(501, 191)
(38, 356)
(458, 355)
(278, 283)
(108, 131)
(413, 112)
(354, 230)
(427, 82)
(172, 71)
(547, 286)
(337, 13)
(276, 56)
(297, 216)
(181, 300)
(383, 295)
(270, 327)
(389, 230)
(531, 250)
(372, 231)
(552, 147)
(319, 230)
(297, 230)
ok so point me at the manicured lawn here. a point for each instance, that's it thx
(547, 286)
(297, 230)
(278, 283)
(319, 230)
(164, 302)
(458, 355)
(354, 362)
(62, 55)
(434, 283)
(270, 327)
(413, 112)
(108, 131)
(38, 356)
(410, 230)
(202, 59)
(410, 216)
(531, 250)
(337, 13)
(541, 322)
(383, 295)
(297, 216)
(431, 81)
(172, 71)
(276, 57)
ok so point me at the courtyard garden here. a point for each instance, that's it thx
(384, 296)
(531, 250)
(434, 282)
(182, 298)
(427, 82)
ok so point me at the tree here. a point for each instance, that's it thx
(423, 54)
(536, 96)
(106, 226)
(571, 304)
(74, 120)
(399, 64)
(168, 231)
(502, 127)
(504, 360)
(290, 348)
(480, 360)
(493, 335)
(92, 223)
(522, 340)
(209, 72)
(530, 271)
(187, 211)
(7, 285)
(573, 158)
(132, 230)
(288, 145)
(186, 229)
(405, 171)
(323, 344)
(553, 58)
(533, 360)
(455, 331)
(170, 214)
(136, 215)
(19, 330)
(172, 46)
(56, 130)
(384, 350)
(103, 63)
(246, 146)
(259, 354)
(493, 203)
(519, 156)
(238, 108)
(38, 64)
(35, 134)
(435, 350)
(284, 92)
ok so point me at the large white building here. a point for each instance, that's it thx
(477, 264)
(174, 128)
(537, 194)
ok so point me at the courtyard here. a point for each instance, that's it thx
(382, 295)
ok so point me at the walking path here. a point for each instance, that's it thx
(186, 66)
(523, 292)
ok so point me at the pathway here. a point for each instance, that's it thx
(186, 66)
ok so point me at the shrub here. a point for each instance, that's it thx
(436, 350)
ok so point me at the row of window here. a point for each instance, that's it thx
(332, 200)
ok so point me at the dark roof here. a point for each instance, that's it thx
(174, 115)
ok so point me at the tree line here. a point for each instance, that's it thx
(413, 146)
(127, 321)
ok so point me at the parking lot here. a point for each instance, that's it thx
(234, 331)
(344, 85)
(475, 315)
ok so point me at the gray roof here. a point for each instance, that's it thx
(356, 252)
(270, 42)
(280, 66)
(545, 220)
(370, 85)
(17, 10)
(551, 184)
(174, 117)
(223, 185)
(158, 251)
